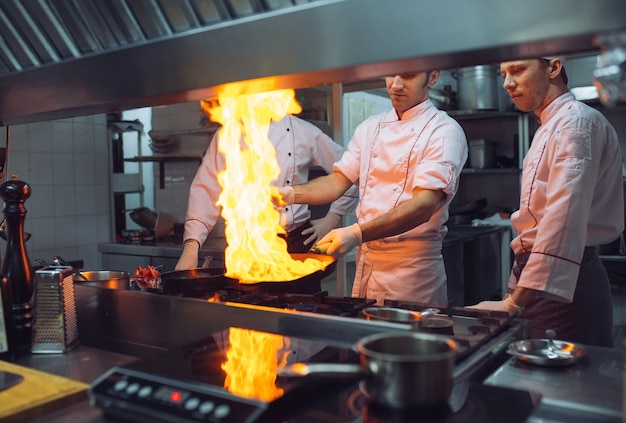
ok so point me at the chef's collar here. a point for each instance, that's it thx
(554, 106)
(416, 110)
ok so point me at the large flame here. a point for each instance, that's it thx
(251, 363)
(254, 252)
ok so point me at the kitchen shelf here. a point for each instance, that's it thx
(161, 160)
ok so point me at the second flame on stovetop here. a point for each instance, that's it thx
(251, 363)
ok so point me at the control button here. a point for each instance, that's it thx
(132, 388)
(145, 391)
(221, 411)
(192, 403)
(120, 385)
(206, 407)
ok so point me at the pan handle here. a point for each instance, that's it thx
(324, 370)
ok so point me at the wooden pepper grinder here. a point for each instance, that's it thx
(16, 265)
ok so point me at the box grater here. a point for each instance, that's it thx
(55, 329)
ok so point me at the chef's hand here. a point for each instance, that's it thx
(507, 305)
(189, 257)
(321, 227)
(282, 196)
(340, 242)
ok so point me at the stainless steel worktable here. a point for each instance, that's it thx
(588, 391)
(84, 364)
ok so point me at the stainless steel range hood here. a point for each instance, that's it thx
(62, 58)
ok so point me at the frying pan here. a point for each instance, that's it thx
(308, 284)
(194, 282)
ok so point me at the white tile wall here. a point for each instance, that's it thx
(66, 162)
(173, 197)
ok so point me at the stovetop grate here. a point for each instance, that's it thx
(320, 303)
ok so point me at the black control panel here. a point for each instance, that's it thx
(132, 395)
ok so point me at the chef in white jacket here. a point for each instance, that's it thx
(571, 202)
(299, 146)
(406, 162)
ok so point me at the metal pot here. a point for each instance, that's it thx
(398, 315)
(477, 87)
(399, 369)
(104, 278)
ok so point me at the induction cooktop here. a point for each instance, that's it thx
(200, 385)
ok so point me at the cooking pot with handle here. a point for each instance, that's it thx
(398, 369)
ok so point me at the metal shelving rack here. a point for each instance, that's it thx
(123, 183)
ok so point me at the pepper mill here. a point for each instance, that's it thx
(16, 265)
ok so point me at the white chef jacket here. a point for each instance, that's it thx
(299, 146)
(571, 196)
(389, 158)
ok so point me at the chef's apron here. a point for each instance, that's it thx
(410, 270)
(588, 319)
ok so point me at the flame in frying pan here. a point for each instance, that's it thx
(254, 252)
(251, 363)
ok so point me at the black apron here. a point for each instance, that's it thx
(588, 319)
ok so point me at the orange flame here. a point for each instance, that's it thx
(251, 364)
(254, 252)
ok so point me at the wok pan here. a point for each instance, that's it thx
(308, 284)
(194, 282)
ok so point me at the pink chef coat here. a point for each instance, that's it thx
(389, 158)
(299, 146)
(571, 196)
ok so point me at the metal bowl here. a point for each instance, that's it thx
(104, 278)
(544, 352)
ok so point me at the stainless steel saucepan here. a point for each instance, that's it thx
(398, 369)
(398, 315)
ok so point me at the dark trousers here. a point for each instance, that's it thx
(588, 319)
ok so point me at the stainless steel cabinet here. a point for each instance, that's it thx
(475, 259)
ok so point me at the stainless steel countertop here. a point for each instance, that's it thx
(84, 364)
(589, 391)
(165, 249)
(456, 233)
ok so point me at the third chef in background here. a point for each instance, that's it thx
(407, 163)
(571, 202)
(299, 146)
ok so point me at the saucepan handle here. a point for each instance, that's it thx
(324, 370)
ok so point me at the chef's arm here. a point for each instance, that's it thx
(400, 219)
(512, 302)
(521, 296)
(322, 190)
(406, 216)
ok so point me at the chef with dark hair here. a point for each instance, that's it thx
(571, 203)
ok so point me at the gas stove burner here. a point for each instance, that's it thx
(438, 324)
